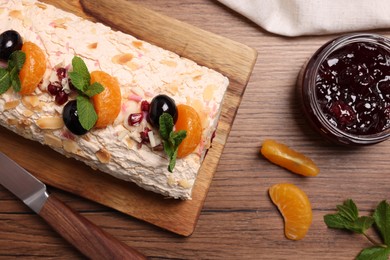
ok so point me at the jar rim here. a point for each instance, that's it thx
(310, 78)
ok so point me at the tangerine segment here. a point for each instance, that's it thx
(33, 68)
(288, 158)
(294, 205)
(189, 120)
(107, 103)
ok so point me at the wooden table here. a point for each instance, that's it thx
(238, 220)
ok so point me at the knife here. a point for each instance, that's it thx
(89, 239)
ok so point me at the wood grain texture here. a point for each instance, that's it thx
(238, 220)
(174, 215)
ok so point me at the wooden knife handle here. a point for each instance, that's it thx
(89, 239)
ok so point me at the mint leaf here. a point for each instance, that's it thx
(17, 59)
(382, 220)
(171, 139)
(78, 81)
(168, 148)
(177, 137)
(94, 89)
(9, 77)
(374, 253)
(15, 83)
(348, 218)
(172, 161)
(171, 146)
(5, 81)
(15, 64)
(80, 67)
(166, 125)
(86, 112)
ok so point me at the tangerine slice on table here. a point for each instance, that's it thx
(288, 158)
(189, 120)
(107, 103)
(33, 68)
(295, 207)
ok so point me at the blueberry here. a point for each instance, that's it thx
(71, 118)
(161, 104)
(10, 41)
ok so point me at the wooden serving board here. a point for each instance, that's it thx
(232, 59)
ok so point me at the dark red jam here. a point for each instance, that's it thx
(353, 88)
(345, 89)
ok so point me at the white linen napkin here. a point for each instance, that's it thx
(314, 17)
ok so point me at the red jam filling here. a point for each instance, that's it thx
(353, 88)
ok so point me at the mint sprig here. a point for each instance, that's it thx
(171, 139)
(348, 218)
(80, 78)
(9, 76)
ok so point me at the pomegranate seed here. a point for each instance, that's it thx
(145, 106)
(61, 73)
(144, 135)
(61, 98)
(135, 119)
(54, 88)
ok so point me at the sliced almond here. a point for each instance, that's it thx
(27, 113)
(208, 93)
(197, 77)
(122, 59)
(103, 155)
(137, 44)
(172, 88)
(17, 14)
(11, 104)
(169, 63)
(27, 22)
(30, 102)
(184, 183)
(41, 5)
(50, 123)
(12, 121)
(171, 181)
(70, 146)
(27, 3)
(132, 65)
(92, 46)
(52, 140)
(60, 23)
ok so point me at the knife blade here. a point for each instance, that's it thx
(88, 238)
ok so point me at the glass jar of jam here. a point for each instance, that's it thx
(345, 89)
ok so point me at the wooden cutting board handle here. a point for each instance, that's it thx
(89, 239)
(184, 39)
